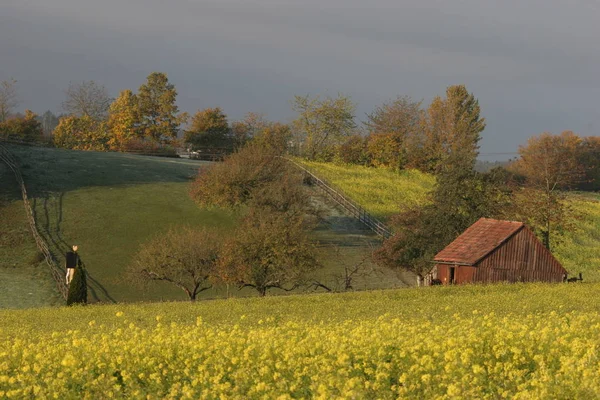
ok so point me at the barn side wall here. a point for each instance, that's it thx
(522, 258)
(462, 273)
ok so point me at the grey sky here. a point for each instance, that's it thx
(533, 64)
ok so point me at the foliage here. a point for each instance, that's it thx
(322, 125)
(183, 257)
(9, 98)
(354, 151)
(381, 191)
(232, 182)
(589, 158)
(146, 146)
(452, 131)
(248, 128)
(123, 120)
(86, 99)
(497, 341)
(549, 163)
(159, 118)
(269, 250)
(81, 133)
(273, 136)
(209, 128)
(385, 150)
(26, 129)
(78, 288)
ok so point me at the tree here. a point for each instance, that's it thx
(233, 182)
(77, 293)
(248, 128)
(49, 121)
(274, 136)
(322, 125)
(272, 251)
(159, 118)
(123, 120)
(401, 121)
(354, 151)
(453, 130)
(589, 159)
(81, 133)
(385, 150)
(550, 164)
(184, 257)
(26, 128)
(209, 128)
(9, 98)
(87, 99)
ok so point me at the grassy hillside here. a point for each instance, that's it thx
(25, 281)
(503, 341)
(382, 192)
(110, 203)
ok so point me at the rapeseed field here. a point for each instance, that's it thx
(525, 341)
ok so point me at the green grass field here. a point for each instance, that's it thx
(110, 203)
(534, 341)
(382, 192)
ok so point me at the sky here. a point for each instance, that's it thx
(534, 65)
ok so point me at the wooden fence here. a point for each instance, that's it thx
(55, 270)
(350, 206)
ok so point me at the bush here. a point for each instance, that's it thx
(149, 147)
(354, 151)
(23, 129)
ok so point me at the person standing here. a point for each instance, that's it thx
(72, 260)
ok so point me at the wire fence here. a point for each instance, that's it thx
(353, 208)
(55, 270)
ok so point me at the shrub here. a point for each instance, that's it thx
(78, 288)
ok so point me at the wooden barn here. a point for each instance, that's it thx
(496, 251)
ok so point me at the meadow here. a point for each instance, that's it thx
(110, 203)
(382, 192)
(524, 341)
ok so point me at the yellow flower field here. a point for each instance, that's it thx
(508, 341)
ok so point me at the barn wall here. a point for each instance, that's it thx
(522, 258)
(462, 273)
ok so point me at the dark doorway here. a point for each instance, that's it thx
(452, 269)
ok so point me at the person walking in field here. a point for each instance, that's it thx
(72, 260)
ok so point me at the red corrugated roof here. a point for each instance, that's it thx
(480, 239)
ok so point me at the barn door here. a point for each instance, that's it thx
(452, 275)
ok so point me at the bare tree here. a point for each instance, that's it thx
(8, 98)
(87, 98)
(185, 258)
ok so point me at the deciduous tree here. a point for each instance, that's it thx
(184, 257)
(81, 133)
(159, 114)
(209, 128)
(323, 124)
(123, 120)
(9, 98)
(87, 99)
(26, 128)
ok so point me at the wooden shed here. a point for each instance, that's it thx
(496, 251)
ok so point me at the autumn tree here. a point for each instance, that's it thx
(323, 124)
(550, 165)
(400, 121)
(209, 128)
(9, 98)
(123, 120)
(232, 182)
(159, 114)
(354, 150)
(87, 99)
(25, 129)
(248, 128)
(184, 257)
(274, 136)
(81, 133)
(589, 159)
(269, 250)
(452, 130)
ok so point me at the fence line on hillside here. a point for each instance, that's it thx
(337, 195)
(42, 246)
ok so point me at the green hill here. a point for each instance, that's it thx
(502, 341)
(110, 203)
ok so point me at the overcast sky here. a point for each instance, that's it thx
(534, 65)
